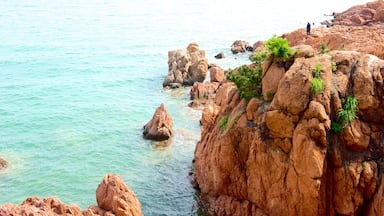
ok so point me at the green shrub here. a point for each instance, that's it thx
(317, 85)
(336, 127)
(334, 67)
(259, 57)
(223, 122)
(323, 48)
(317, 70)
(270, 95)
(233, 120)
(279, 47)
(348, 112)
(248, 81)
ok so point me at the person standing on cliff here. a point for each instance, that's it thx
(308, 29)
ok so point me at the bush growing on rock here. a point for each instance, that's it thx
(348, 112)
(248, 81)
(279, 47)
(317, 84)
(259, 57)
(323, 48)
(223, 122)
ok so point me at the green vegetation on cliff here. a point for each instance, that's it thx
(317, 83)
(248, 81)
(348, 112)
(279, 47)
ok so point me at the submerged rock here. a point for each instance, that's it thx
(3, 163)
(160, 127)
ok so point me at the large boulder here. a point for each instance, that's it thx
(217, 74)
(186, 66)
(114, 195)
(160, 127)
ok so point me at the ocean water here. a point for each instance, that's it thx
(80, 78)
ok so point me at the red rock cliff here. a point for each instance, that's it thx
(282, 158)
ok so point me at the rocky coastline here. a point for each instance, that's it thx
(280, 155)
(283, 155)
(113, 197)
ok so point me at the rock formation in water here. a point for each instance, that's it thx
(186, 66)
(113, 197)
(3, 163)
(240, 46)
(286, 156)
(160, 127)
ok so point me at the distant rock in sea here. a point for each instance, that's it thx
(160, 127)
(220, 55)
(186, 66)
(240, 46)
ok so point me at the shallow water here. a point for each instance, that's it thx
(79, 79)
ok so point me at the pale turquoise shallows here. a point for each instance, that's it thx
(79, 79)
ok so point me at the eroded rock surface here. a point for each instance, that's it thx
(282, 157)
(361, 28)
(113, 196)
(186, 66)
(160, 127)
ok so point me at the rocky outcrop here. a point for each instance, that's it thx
(113, 196)
(240, 46)
(160, 127)
(203, 93)
(282, 157)
(36, 206)
(186, 66)
(3, 163)
(371, 13)
(359, 29)
(217, 74)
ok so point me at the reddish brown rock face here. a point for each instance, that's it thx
(113, 196)
(160, 127)
(282, 157)
(360, 28)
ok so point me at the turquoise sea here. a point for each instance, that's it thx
(80, 78)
